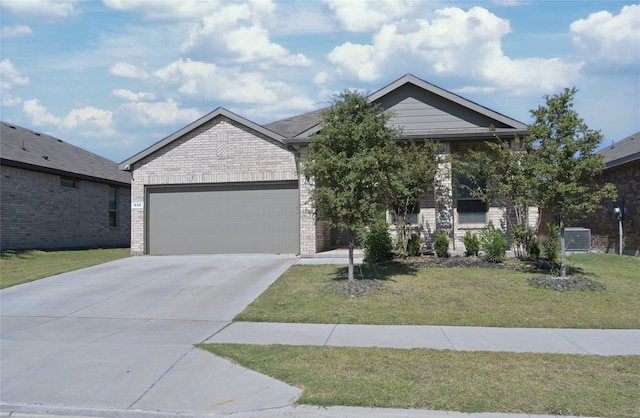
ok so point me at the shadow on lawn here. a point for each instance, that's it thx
(368, 271)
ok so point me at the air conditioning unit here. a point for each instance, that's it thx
(577, 239)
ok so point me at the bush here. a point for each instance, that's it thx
(377, 242)
(442, 244)
(493, 243)
(534, 248)
(471, 244)
(413, 246)
(551, 243)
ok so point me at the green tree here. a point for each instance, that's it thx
(565, 163)
(352, 164)
(415, 177)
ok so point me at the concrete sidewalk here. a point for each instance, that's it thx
(520, 340)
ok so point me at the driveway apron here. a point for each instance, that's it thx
(120, 335)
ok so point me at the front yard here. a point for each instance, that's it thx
(456, 296)
(552, 384)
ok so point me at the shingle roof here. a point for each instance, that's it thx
(31, 150)
(622, 152)
(295, 125)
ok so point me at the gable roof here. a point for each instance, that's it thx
(621, 152)
(125, 165)
(445, 115)
(36, 151)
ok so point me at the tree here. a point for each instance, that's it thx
(416, 176)
(565, 163)
(504, 176)
(352, 163)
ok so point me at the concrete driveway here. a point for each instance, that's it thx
(120, 336)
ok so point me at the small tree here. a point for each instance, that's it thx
(352, 162)
(565, 163)
(416, 176)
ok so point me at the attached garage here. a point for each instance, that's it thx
(227, 218)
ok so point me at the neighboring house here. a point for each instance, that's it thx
(225, 184)
(56, 195)
(622, 168)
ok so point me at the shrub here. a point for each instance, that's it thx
(534, 248)
(493, 243)
(442, 244)
(551, 243)
(377, 242)
(413, 246)
(471, 244)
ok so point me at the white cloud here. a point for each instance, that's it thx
(15, 31)
(123, 69)
(457, 43)
(131, 96)
(235, 34)
(366, 15)
(157, 113)
(10, 77)
(166, 10)
(89, 121)
(38, 114)
(41, 8)
(605, 38)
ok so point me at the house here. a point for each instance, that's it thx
(224, 184)
(622, 168)
(56, 195)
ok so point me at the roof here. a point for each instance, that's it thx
(298, 129)
(621, 152)
(37, 151)
(125, 165)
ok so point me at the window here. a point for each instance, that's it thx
(471, 210)
(113, 206)
(68, 182)
(413, 213)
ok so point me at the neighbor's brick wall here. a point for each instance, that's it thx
(37, 212)
(220, 151)
(604, 224)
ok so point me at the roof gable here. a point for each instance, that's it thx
(421, 109)
(40, 152)
(125, 165)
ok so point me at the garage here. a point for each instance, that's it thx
(232, 218)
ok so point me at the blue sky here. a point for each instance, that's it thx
(115, 76)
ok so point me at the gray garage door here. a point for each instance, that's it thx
(223, 219)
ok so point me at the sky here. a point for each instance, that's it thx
(116, 76)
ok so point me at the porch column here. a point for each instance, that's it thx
(444, 194)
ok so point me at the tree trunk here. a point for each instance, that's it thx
(562, 250)
(352, 244)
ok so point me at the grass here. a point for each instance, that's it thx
(458, 296)
(448, 380)
(17, 266)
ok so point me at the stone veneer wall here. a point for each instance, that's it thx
(219, 151)
(37, 212)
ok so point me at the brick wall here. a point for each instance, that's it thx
(219, 151)
(37, 212)
(603, 223)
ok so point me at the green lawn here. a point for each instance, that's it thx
(551, 384)
(18, 267)
(458, 296)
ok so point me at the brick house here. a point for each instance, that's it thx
(56, 195)
(224, 184)
(622, 168)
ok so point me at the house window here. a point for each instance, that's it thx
(68, 182)
(471, 210)
(113, 206)
(413, 213)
